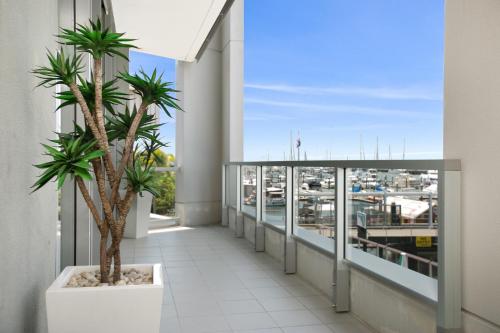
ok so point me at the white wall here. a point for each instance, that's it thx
(387, 309)
(27, 222)
(249, 228)
(210, 130)
(471, 133)
(275, 244)
(198, 141)
(232, 82)
(316, 268)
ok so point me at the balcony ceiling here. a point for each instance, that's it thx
(168, 28)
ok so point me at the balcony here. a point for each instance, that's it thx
(283, 246)
(218, 283)
(350, 227)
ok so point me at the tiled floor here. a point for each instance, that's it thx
(217, 283)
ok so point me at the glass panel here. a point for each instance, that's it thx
(274, 195)
(314, 200)
(392, 215)
(164, 204)
(249, 190)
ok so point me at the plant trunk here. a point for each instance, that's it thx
(102, 255)
(117, 269)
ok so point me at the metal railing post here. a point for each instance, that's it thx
(449, 309)
(290, 245)
(341, 278)
(260, 241)
(225, 210)
(429, 220)
(239, 229)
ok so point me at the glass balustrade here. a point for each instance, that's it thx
(274, 194)
(249, 190)
(314, 205)
(389, 217)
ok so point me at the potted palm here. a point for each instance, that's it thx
(148, 154)
(109, 297)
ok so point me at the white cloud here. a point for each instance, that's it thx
(414, 93)
(357, 128)
(350, 109)
(251, 116)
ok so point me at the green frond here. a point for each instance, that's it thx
(96, 40)
(61, 69)
(153, 90)
(111, 95)
(119, 125)
(149, 151)
(71, 156)
(142, 179)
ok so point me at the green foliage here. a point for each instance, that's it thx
(71, 156)
(95, 40)
(152, 89)
(141, 179)
(119, 125)
(167, 160)
(110, 95)
(164, 203)
(79, 132)
(149, 153)
(61, 69)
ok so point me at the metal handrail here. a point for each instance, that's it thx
(440, 165)
(384, 247)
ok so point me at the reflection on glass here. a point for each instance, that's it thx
(249, 190)
(315, 205)
(392, 214)
(274, 195)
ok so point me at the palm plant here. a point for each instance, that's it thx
(84, 154)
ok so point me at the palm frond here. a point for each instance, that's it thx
(119, 125)
(96, 40)
(111, 95)
(153, 90)
(71, 156)
(142, 179)
(61, 69)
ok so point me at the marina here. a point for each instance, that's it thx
(389, 213)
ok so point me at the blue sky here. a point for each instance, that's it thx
(166, 66)
(336, 70)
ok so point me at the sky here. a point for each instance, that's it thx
(148, 63)
(341, 73)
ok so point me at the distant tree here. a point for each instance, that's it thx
(164, 203)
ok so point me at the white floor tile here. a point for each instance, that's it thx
(308, 329)
(217, 283)
(250, 321)
(269, 292)
(281, 304)
(243, 306)
(204, 324)
(294, 318)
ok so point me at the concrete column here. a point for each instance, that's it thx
(27, 221)
(210, 130)
(471, 134)
(232, 32)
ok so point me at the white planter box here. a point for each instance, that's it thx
(137, 224)
(109, 309)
